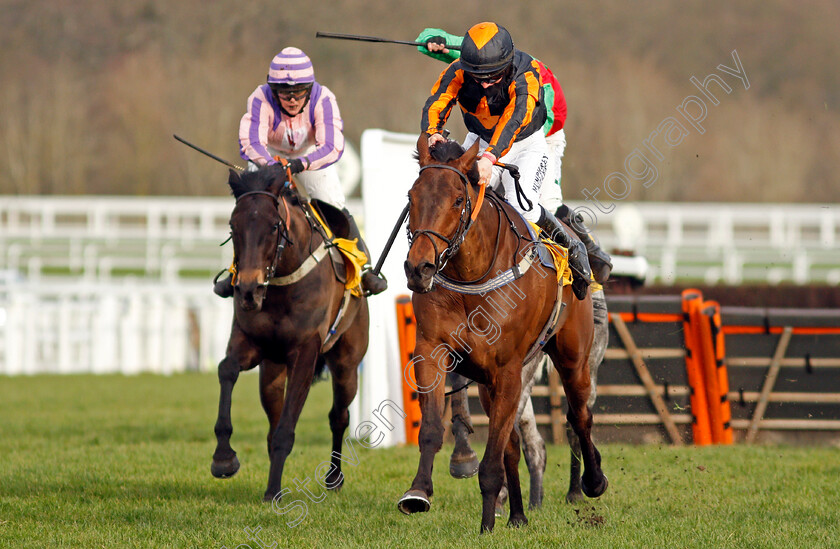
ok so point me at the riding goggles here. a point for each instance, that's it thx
(491, 78)
(287, 94)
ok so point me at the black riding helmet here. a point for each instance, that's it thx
(487, 49)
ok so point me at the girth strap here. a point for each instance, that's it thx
(503, 279)
(304, 268)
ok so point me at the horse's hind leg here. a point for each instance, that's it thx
(533, 445)
(464, 462)
(272, 394)
(517, 512)
(596, 356)
(576, 384)
(241, 355)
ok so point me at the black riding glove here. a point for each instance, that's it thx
(296, 165)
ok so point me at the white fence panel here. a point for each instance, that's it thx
(131, 327)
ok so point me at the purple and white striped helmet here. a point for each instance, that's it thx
(291, 67)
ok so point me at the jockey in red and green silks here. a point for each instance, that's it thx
(555, 136)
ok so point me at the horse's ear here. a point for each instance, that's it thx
(469, 157)
(233, 178)
(278, 180)
(423, 155)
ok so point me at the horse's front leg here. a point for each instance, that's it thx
(464, 461)
(431, 387)
(240, 355)
(301, 369)
(503, 402)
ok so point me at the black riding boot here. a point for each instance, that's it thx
(372, 284)
(223, 287)
(599, 259)
(577, 252)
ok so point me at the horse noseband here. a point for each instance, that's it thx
(464, 223)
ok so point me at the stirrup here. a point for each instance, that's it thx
(223, 287)
(372, 283)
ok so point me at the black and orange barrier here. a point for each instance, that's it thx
(776, 374)
(406, 333)
(700, 425)
(784, 373)
(716, 361)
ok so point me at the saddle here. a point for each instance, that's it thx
(346, 257)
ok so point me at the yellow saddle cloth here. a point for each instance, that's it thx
(560, 255)
(354, 258)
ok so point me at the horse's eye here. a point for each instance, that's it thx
(274, 228)
(459, 201)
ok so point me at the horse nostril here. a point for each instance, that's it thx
(427, 269)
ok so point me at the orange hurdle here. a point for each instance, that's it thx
(711, 310)
(406, 331)
(700, 425)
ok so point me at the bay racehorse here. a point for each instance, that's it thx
(483, 308)
(291, 314)
(464, 463)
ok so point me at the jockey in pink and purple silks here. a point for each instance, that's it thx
(295, 121)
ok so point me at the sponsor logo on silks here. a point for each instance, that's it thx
(541, 171)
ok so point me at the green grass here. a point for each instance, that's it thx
(114, 461)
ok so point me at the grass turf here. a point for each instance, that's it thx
(113, 461)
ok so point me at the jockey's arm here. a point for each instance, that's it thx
(439, 104)
(446, 55)
(253, 129)
(329, 132)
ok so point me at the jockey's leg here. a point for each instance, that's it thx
(598, 258)
(578, 261)
(325, 186)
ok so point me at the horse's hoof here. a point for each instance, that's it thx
(500, 511)
(518, 521)
(225, 468)
(414, 501)
(574, 496)
(334, 485)
(463, 466)
(597, 490)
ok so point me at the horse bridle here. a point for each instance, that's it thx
(282, 233)
(464, 224)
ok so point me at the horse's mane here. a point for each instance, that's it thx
(259, 180)
(447, 151)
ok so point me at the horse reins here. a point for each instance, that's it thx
(466, 220)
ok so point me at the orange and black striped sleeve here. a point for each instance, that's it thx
(444, 96)
(525, 95)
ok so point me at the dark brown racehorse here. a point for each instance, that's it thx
(461, 332)
(286, 302)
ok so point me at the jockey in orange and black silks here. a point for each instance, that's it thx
(499, 90)
(509, 110)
